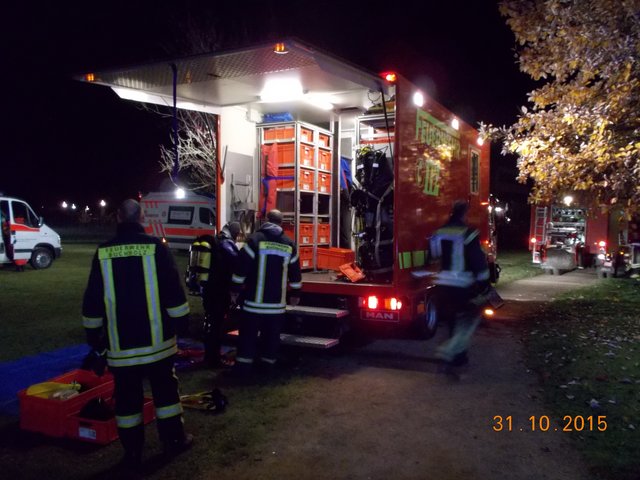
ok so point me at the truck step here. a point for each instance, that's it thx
(301, 340)
(303, 311)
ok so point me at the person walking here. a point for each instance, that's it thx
(133, 306)
(268, 260)
(463, 283)
(216, 292)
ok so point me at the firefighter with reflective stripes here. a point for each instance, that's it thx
(267, 263)
(134, 305)
(463, 283)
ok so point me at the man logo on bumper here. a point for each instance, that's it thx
(380, 316)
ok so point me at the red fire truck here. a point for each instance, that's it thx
(565, 236)
(364, 167)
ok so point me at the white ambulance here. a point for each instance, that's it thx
(24, 236)
(178, 218)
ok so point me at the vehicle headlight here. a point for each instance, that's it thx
(601, 256)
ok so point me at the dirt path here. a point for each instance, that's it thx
(382, 412)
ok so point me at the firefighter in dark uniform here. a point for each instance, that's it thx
(463, 283)
(267, 262)
(133, 307)
(216, 292)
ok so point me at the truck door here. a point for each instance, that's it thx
(5, 234)
(25, 230)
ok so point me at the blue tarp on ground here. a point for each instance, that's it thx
(19, 374)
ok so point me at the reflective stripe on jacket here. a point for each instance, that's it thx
(133, 299)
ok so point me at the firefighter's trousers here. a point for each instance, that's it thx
(130, 398)
(266, 348)
(465, 318)
(214, 324)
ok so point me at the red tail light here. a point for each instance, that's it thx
(372, 302)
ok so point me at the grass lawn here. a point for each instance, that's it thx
(516, 265)
(586, 348)
(41, 309)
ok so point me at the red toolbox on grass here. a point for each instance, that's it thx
(59, 418)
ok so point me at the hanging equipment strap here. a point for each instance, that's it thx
(174, 173)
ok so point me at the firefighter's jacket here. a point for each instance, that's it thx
(224, 256)
(267, 262)
(134, 300)
(463, 262)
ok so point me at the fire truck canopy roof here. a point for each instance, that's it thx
(226, 78)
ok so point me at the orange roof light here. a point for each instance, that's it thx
(489, 312)
(390, 77)
(90, 77)
(280, 48)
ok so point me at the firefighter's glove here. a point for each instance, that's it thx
(95, 361)
(293, 300)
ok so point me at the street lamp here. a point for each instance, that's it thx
(64, 204)
(103, 203)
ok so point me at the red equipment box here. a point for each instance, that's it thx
(50, 416)
(324, 182)
(332, 258)
(306, 135)
(279, 133)
(323, 140)
(305, 181)
(306, 257)
(324, 233)
(324, 160)
(103, 432)
(306, 234)
(306, 156)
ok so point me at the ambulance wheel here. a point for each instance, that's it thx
(427, 317)
(41, 258)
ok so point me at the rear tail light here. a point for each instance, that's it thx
(372, 302)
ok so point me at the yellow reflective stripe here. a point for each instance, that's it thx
(262, 264)
(169, 411)
(237, 279)
(404, 260)
(179, 311)
(473, 235)
(129, 250)
(110, 303)
(295, 285)
(129, 421)
(92, 322)
(275, 248)
(285, 276)
(141, 360)
(153, 300)
(417, 256)
(269, 311)
(249, 251)
(134, 352)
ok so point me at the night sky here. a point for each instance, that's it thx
(68, 140)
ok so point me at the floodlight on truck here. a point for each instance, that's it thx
(390, 77)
